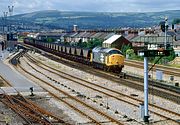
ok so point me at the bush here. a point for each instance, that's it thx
(124, 48)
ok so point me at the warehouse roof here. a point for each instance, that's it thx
(151, 39)
(112, 39)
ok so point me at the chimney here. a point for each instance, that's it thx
(75, 28)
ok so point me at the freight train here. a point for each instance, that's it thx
(108, 59)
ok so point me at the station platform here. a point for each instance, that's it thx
(17, 80)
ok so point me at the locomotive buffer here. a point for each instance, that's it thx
(153, 50)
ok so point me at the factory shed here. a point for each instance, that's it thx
(116, 41)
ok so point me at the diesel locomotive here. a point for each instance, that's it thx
(108, 59)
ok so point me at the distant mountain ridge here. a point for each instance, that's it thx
(95, 20)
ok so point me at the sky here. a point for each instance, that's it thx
(26, 6)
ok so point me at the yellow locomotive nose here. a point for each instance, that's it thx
(116, 59)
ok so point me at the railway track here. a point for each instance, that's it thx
(27, 110)
(165, 69)
(155, 89)
(74, 102)
(102, 89)
(173, 96)
(158, 87)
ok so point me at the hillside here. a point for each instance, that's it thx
(95, 20)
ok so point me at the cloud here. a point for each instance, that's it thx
(24, 6)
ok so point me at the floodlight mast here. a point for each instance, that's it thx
(11, 9)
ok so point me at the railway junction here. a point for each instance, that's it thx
(66, 92)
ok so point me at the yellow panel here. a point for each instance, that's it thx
(115, 59)
(91, 57)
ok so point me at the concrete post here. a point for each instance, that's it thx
(146, 115)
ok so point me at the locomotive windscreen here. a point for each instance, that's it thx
(114, 52)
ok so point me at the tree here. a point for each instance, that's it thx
(130, 53)
(66, 43)
(93, 43)
(50, 40)
(82, 44)
(124, 48)
(166, 59)
(176, 21)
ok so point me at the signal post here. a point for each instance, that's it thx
(153, 50)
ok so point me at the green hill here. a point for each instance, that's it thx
(95, 20)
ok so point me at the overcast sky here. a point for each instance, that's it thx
(24, 6)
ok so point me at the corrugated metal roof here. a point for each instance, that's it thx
(89, 35)
(130, 36)
(86, 35)
(96, 35)
(109, 35)
(171, 33)
(49, 34)
(103, 36)
(176, 43)
(152, 39)
(178, 37)
(79, 35)
(70, 35)
(112, 39)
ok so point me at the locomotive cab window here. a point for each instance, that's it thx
(114, 52)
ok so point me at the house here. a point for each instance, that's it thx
(69, 37)
(86, 36)
(116, 41)
(45, 35)
(33, 35)
(1, 38)
(138, 42)
(79, 36)
(131, 36)
(176, 46)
